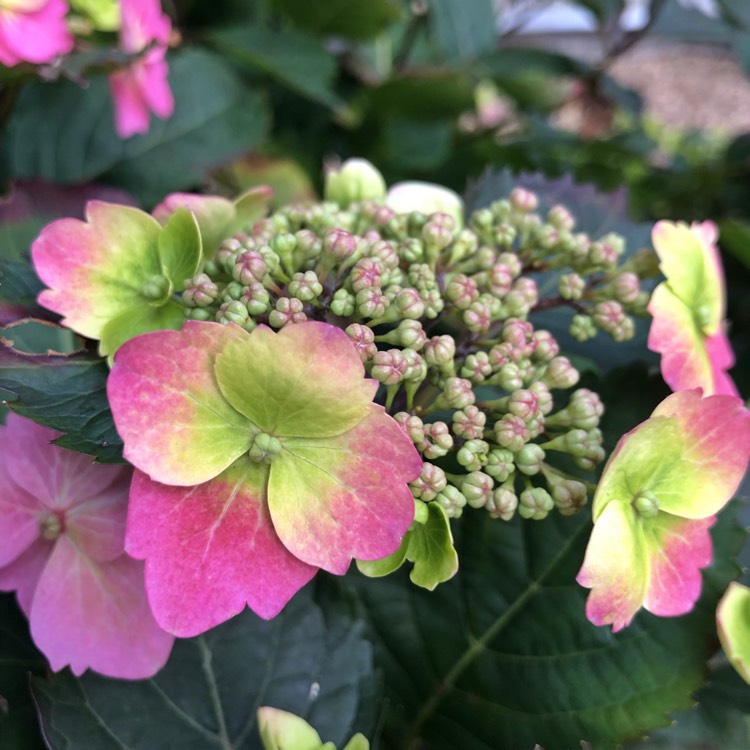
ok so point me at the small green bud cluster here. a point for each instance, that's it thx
(435, 312)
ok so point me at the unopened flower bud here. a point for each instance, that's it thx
(511, 432)
(157, 288)
(509, 377)
(529, 459)
(384, 251)
(409, 303)
(288, 310)
(544, 398)
(256, 298)
(523, 200)
(430, 481)
(233, 312)
(356, 180)
(646, 504)
(546, 346)
(571, 286)
(342, 303)
(439, 352)
(412, 426)
(585, 409)
(535, 503)
(472, 455)
(363, 339)
(476, 367)
(561, 218)
(469, 423)
(264, 448)
(452, 501)
(477, 317)
(502, 504)
(523, 403)
(250, 266)
(200, 291)
(500, 464)
(458, 393)
(499, 280)
(627, 287)
(477, 488)
(366, 274)
(569, 496)
(371, 303)
(461, 291)
(582, 328)
(305, 286)
(433, 302)
(440, 440)
(338, 244)
(560, 373)
(389, 366)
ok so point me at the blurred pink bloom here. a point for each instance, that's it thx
(142, 87)
(33, 31)
(62, 533)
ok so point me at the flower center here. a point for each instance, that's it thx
(646, 504)
(50, 526)
(702, 315)
(156, 289)
(264, 448)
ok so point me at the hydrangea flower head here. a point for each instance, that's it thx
(261, 458)
(688, 310)
(654, 505)
(33, 31)
(113, 276)
(143, 86)
(62, 534)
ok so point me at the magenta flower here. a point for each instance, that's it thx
(655, 502)
(262, 458)
(688, 310)
(62, 531)
(33, 31)
(142, 87)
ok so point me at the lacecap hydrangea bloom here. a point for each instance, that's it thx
(62, 533)
(33, 31)
(142, 87)
(260, 459)
(688, 310)
(655, 503)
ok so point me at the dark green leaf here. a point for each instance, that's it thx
(216, 117)
(207, 695)
(292, 58)
(66, 393)
(417, 146)
(735, 237)
(361, 20)
(19, 729)
(462, 29)
(19, 287)
(503, 657)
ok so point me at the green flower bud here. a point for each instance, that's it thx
(477, 317)
(233, 312)
(439, 352)
(338, 244)
(452, 501)
(389, 366)
(250, 266)
(371, 303)
(264, 448)
(363, 339)
(502, 504)
(511, 432)
(561, 218)
(430, 481)
(366, 274)
(477, 488)
(438, 440)
(571, 286)
(523, 200)
(646, 504)
(626, 287)
(384, 251)
(157, 288)
(469, 422)
(305, 286)
(256, 298)
(411, 251)
(500, 464)
(412, 426)
(461, 291)
(535, 503)
(509, 377)
(200, 291)
(569, 496)
(288, 310)
(309, 245)
(473, 454)
(409, 303)
(343, 303)
(411, 335)
(199, 313)
(477, 367)
(529, 459)
(582, 328)
(500, 279)
(458, 393)
(433, 302)
(560, 373)
(356, 180)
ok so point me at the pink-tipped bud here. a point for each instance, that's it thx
(363, 339)
(469, 422)
(389, 367)
(511, 432)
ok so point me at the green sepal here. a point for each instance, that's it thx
(143, 318)
(180, 247)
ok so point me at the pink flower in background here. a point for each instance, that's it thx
(62, 532)
(142, 87)
(33, 31)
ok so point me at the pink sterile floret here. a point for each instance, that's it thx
(142, 87)
(62, 530)
(33, 31)
(261, 458)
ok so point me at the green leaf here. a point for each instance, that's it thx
(314, 665)
(291, 58)
(416, 145)
(463, 30)
(19, 286)
(342, 17)
(216, 117)
(431, 549)
(66, 393)
(735, 237)
(19, 729)
(503, 657)
(180, 247)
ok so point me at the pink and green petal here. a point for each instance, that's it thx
(615, 567)
(96, 269)
(680, 457)
(689, 262)
(33, 31)
(168, 408)
(720, 355)
(710, 467)
(57, 477)
(22, 575)
(346, 496)
(92, 615)
(180, 248)
(211, 550)
(677, 549)
(733, 623)
(307, 380)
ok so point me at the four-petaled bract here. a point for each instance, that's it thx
(654, 505)
(62, 533)
(113, 276)
(143, 86)
(688, 310)
(33, 31)
(261, 458)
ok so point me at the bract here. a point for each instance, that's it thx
(654, 505)
(688, 310)
(33, 31)
(733, 622)
(263, 459)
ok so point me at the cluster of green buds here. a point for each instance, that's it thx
(441, 315)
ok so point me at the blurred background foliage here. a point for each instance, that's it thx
(450, 91)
